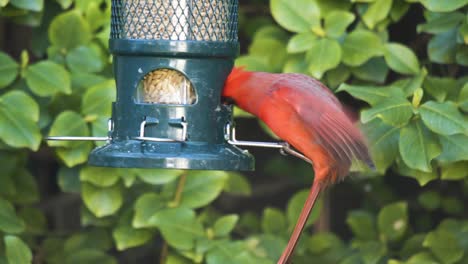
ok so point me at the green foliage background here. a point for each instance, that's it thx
(403, 63)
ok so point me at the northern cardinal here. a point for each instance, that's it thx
(305, 113)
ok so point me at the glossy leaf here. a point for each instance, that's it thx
(454, 148)
(301, 42)
(440, 88)
(69, 179)
(68, 123)
(393, 221)
(443, 6)
(47, 78)
(85, 59)
(127, 237)
(32, 5)
(16, 250)
(271, 52)
(430, 200)
(10, 223)
(19, 114)
(336, 23)
(178, 226)
(201, 188)
(102, 201)
(395, 111)
(325, 54)
(455, 171)
(444, 246)
(69, 30)
(8, 70)
(359, 46)
(371, 94)
(145, 207)
(237, 184)
(295, 205)
(225, 224)
(442, 48)
(89, 256)
(273, 221)
(97, 99)
(443, 118)
(375, 70)
(418, 146)
(401, 59)
(376, 12)
(298, 16)
(99, 176)
(158, 176)
(441, 23)
(383, 142)
(362, 224)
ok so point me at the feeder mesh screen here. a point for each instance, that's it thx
(201, 20)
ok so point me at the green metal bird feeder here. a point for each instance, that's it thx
(171, 59)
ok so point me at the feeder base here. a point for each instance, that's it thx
(171, 155)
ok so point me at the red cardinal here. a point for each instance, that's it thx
(304, 113)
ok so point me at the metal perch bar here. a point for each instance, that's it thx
(284, 147)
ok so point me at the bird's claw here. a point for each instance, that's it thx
(287, 149)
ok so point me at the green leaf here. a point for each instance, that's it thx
(224, 225)
(399, 9)
(178, 226)
(127, 237)
(418, 146)
(253, 63)
(85, 59)
(377, 11)
(237, 184)
(201, 188)
(8, 70)
(393, 221)
(297, 16)
(336, 23)
(271, 51)
(272, 32)
(423, 257)
(65, 3)
(374, 70)
(395, 111)
(273, 221)
(89, 256)
(295, 205)
(337, 76)
(322, 242)
(443, 6)
(325, 54)
(69, 30)
(19, 114)
(372, 251)
(442, 23)
(69, 179)
(444, 246)
(32, 5)
(100, 176)
(371, 94)
(102, 201)
(3, 3)
(359, 46)
(454, 148)
(47, 78)
(158, 176)
(76, 154)
(36, 222)
(68, 123)
(443, 118)
(26, 189)
(383, 142)
(301, 42)
(17, 251)
(452, 206)
(462, 55)
(440, 88)
(442, 48)
(421, 176)
(145, 207)
(401, 59)
(296, 64)
(9, 221)
(430, 200)
(455, 171)
(362, 224)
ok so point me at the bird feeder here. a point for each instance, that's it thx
(171, 59)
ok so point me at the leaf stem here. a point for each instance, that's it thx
(175, 202)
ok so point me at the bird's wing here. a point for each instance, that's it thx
(323, 114)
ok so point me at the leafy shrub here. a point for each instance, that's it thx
(413, 97)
